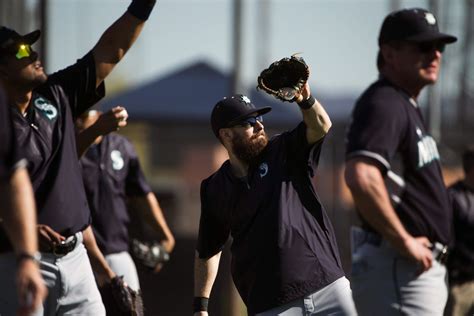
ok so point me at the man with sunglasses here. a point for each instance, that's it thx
(43, 110)
(285, 259)
(394, 173)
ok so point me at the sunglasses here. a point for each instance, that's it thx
(428, 47)
(249, 121)
(24, 50)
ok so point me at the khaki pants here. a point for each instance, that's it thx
(461, 300)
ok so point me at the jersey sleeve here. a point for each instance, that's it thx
(79, 84)
(214, 230)
(376, 131)
(136, 184)
(299, 151)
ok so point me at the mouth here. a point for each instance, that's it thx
(38, 65)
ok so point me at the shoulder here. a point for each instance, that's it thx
(381, 95)
(218, 181)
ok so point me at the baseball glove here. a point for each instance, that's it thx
(121, 300)
(149, 254)
(285, 78)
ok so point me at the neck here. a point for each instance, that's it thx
(19, 98)
(413, 90)
(239, 168)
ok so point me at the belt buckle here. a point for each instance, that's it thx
(440, 252)
(64, 247)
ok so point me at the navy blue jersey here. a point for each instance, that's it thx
(387, 127)
(111, 173)
(47, 137)
(284, 245)
(461, 256)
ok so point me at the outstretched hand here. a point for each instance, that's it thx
(112, 120)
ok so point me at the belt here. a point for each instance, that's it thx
(439, 251)
(62, 248)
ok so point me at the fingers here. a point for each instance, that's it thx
(48, 235)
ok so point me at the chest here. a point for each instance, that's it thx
(108, 163)
(418, 147)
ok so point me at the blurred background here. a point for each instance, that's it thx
(194, 52)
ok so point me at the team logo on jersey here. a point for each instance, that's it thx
(46, 108)
(263, 169)
(117, 160)
(245, 99)
(427, 149)
(430, 18)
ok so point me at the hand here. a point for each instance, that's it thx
(418, 249)
(30, 287)
(304, 94)
(112, 120)
(48, 237)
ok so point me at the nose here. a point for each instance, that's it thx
(258, 126)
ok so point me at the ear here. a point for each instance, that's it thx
(388, 53)
(225, 134)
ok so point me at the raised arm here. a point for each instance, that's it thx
(371, 197)
(119, 37)
(91, 127)
(315, 117)
(205, 272)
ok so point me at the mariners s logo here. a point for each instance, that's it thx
(263, 169)
(117, 160)
(46, 108)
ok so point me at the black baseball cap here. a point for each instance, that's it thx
(9, 37)
(412, 25)
(233, 109)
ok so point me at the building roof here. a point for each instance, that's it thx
(190, 93)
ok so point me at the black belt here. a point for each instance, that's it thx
(62, 248)
(440, 251)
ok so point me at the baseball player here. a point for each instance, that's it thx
(114, 183)
(461, 257)
(19, 218)
(43, 111)
(394, 174)
(285, 260)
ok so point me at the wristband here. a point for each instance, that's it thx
(308, 103)
(36, 257)
(200, 304)
(141, 9)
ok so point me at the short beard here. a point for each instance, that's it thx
(247, 150)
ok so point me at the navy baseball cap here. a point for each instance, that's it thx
(412, 25)
(233, 109)
(9, 37)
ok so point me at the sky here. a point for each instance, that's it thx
(337, 38)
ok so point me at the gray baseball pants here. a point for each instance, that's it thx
(334, 299)
(72, 289)
(122, 264)
(385, 283)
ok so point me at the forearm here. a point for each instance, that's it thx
(317, 122)
(373, 203)
(205, 272)
(119, 37)
(86, 138)
(20, 217)
(100, 266)
(150, 209)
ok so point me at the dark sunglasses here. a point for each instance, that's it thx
(249, 121)
(428, 47)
